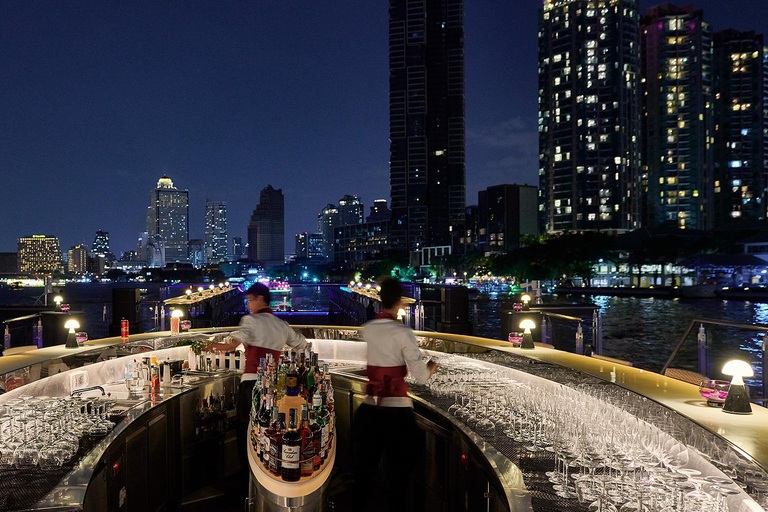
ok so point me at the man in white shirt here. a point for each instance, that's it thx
(262, 333)
(384, 424)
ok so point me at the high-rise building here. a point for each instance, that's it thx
(215, 231)
(379, 211)
(101, 243)
(39, 254)
(361, 242)
(77, 259)
(266, 231)
(309, 245)
(351, 210)
(426, 122)
(678, 130)
(741, 135)
(151, 249)
(327, 222)
(168, 218)
(237, 247)
(505, 214)
(197, 253)
(470, 239)
(589, 115)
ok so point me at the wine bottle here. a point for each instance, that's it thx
(276, 444)
(307, 444)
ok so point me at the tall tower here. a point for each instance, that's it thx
(741, 142)
(351, 210)
(589, 115)
(39, 254)
(168, 219)
(678, 129)
(327, 222)
(100, 243)
(216, 247)
(266, 231)
(426, 121)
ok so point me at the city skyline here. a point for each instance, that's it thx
(108, 166)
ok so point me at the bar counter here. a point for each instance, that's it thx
(718, 439)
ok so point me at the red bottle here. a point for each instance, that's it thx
(307, 444)
(124, 330)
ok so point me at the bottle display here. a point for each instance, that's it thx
(295, 386)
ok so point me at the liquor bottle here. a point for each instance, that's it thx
(280, 384)
(317, 406)
(291, 471)
(276, 444)
(307, 444)
(309, 378)
(292, 380)
(263, 419)
(302, 375)
(325, 416)
(316, 439)
(266, 435)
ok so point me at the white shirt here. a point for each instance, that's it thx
(391, 343)
(267, 331)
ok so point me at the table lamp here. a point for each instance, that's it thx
(527, 325)
(58, 300)
(176, 315)
(737, 401)
(71, 324)
(526, 299)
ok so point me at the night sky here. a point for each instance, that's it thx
(99, 99)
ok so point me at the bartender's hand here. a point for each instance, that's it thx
(432, 367)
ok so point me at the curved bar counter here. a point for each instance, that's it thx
(463, 468)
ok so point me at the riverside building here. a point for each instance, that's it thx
(678, 115)
(589, 115)
(266, 231)
(39, 254)
(215, 231)
(741, 148)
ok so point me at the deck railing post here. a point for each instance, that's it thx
(702, 353)
(597, 332)
(579, 340)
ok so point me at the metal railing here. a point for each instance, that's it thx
(703, 346)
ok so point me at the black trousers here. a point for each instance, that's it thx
(243, 420)
(385, 434)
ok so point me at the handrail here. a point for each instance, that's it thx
(709, 321)
(564, 317)
(20, 318)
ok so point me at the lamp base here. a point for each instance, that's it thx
(71, 341)
(527, 341)
(737, 401)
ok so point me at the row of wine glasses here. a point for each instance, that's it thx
(606, 456)
(45, 432)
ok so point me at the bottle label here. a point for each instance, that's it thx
(291, 382)
(274, 456)
(267, 449)
(307, 456)
(317, 401)
(290, 457)
(324, 439)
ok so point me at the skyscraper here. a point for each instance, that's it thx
(100, 243)
(505, 214)
(327, 222)
(741, 110)
(351, 210)
(678, 128)
(39, 254)
(197, 255)
(77, 259)
(426, 121)
(589, 115)
(215, 231)
(168, 219)
(309, 245)
(266, 231)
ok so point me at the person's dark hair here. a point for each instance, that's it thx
(259, 290)
(390, 293)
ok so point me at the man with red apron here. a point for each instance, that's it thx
(384, 424)
(261, 333)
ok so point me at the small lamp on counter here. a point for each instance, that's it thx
(188, 293)
(527, 325)
(200, 290)
(212, 287)
(526, 299)
(737, 401)
(176, 315)
(401, 314)
(71, 324)
(58, 300)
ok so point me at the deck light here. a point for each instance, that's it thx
(527, 325)
(189, 293)
(526, 299)
(200, 290)
(58, 300)
(71, 324)
(737, 401)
